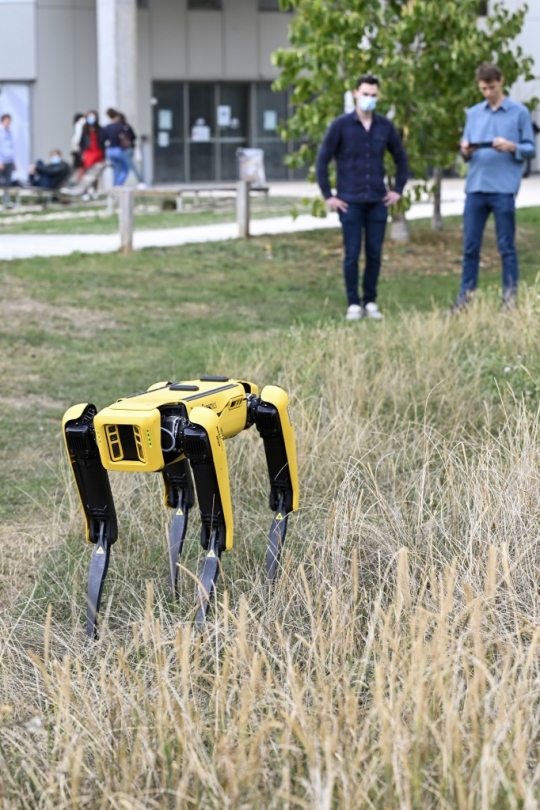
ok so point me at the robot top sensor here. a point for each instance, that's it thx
(178, 429)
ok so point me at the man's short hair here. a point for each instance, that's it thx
(5, 117)
(367, 78)
(488, 72)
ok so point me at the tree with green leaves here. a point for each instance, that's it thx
(425, 54)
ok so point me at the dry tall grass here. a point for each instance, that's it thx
(396, 662)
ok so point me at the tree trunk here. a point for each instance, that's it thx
(436, 219)
(399, 230)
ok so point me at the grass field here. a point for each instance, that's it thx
(396, 662)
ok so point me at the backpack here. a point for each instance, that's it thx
(125, 138)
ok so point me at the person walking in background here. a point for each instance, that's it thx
(127, 139)
(358, 142)
(79, 121)
(113, 134)
(7, 157)
(497, 139)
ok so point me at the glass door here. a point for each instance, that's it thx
(271, 110)
(169, 144)
(202, 131)
(233, 125)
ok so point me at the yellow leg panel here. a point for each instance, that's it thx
(204, 446)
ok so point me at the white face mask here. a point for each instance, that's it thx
(56, 159)
(366, 103)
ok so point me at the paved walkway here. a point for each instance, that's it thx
(29, 245)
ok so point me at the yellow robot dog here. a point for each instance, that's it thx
(176, 428)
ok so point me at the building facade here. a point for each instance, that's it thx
(193, 76)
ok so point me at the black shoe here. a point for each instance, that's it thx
(460, 306)
(509, 303)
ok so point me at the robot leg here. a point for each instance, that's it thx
(204, 446)
(96, 499)
(274, 423)
(180, 495)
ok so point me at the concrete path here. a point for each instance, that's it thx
(29, 245)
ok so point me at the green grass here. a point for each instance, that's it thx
(395, 664)
(92, 327)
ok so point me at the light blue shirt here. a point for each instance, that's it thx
(7, 147)
(491, 171)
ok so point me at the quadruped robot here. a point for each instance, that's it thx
(179, 429)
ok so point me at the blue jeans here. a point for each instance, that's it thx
(478, 207)
(370, 218)
(5, 180)
(130, 154)
(120, 164)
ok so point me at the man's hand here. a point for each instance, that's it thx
(1, 167)
(391, 198)
(467, 149)
(503, 145)
(335, 204)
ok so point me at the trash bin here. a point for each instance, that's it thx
(251, 166)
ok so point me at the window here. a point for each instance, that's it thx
(268, 5)
(483, 8)
(198, 127)
(205, 5)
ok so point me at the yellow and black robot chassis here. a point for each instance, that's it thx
(179, 428)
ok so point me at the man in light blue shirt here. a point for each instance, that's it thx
(7, 156)
(497, 139)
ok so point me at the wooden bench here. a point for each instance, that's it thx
(196, 190)
(75, 190)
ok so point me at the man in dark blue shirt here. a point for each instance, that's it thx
(358, 141)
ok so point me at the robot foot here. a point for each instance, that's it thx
(276, 540)
(96, 578)
(207, 580)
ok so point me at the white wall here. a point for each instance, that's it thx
(66, 70)
(235, 43)
(18, 40)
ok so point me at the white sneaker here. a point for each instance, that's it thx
(141, 185)
(371, 310)
(85, 197)
(354, 313)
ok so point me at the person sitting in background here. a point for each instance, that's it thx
(79, 121)
(49, 175)
(92, 143)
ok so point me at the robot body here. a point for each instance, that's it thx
(180, 429)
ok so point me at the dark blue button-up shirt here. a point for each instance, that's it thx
(359, 155)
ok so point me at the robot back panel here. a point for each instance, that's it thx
(134, 433)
